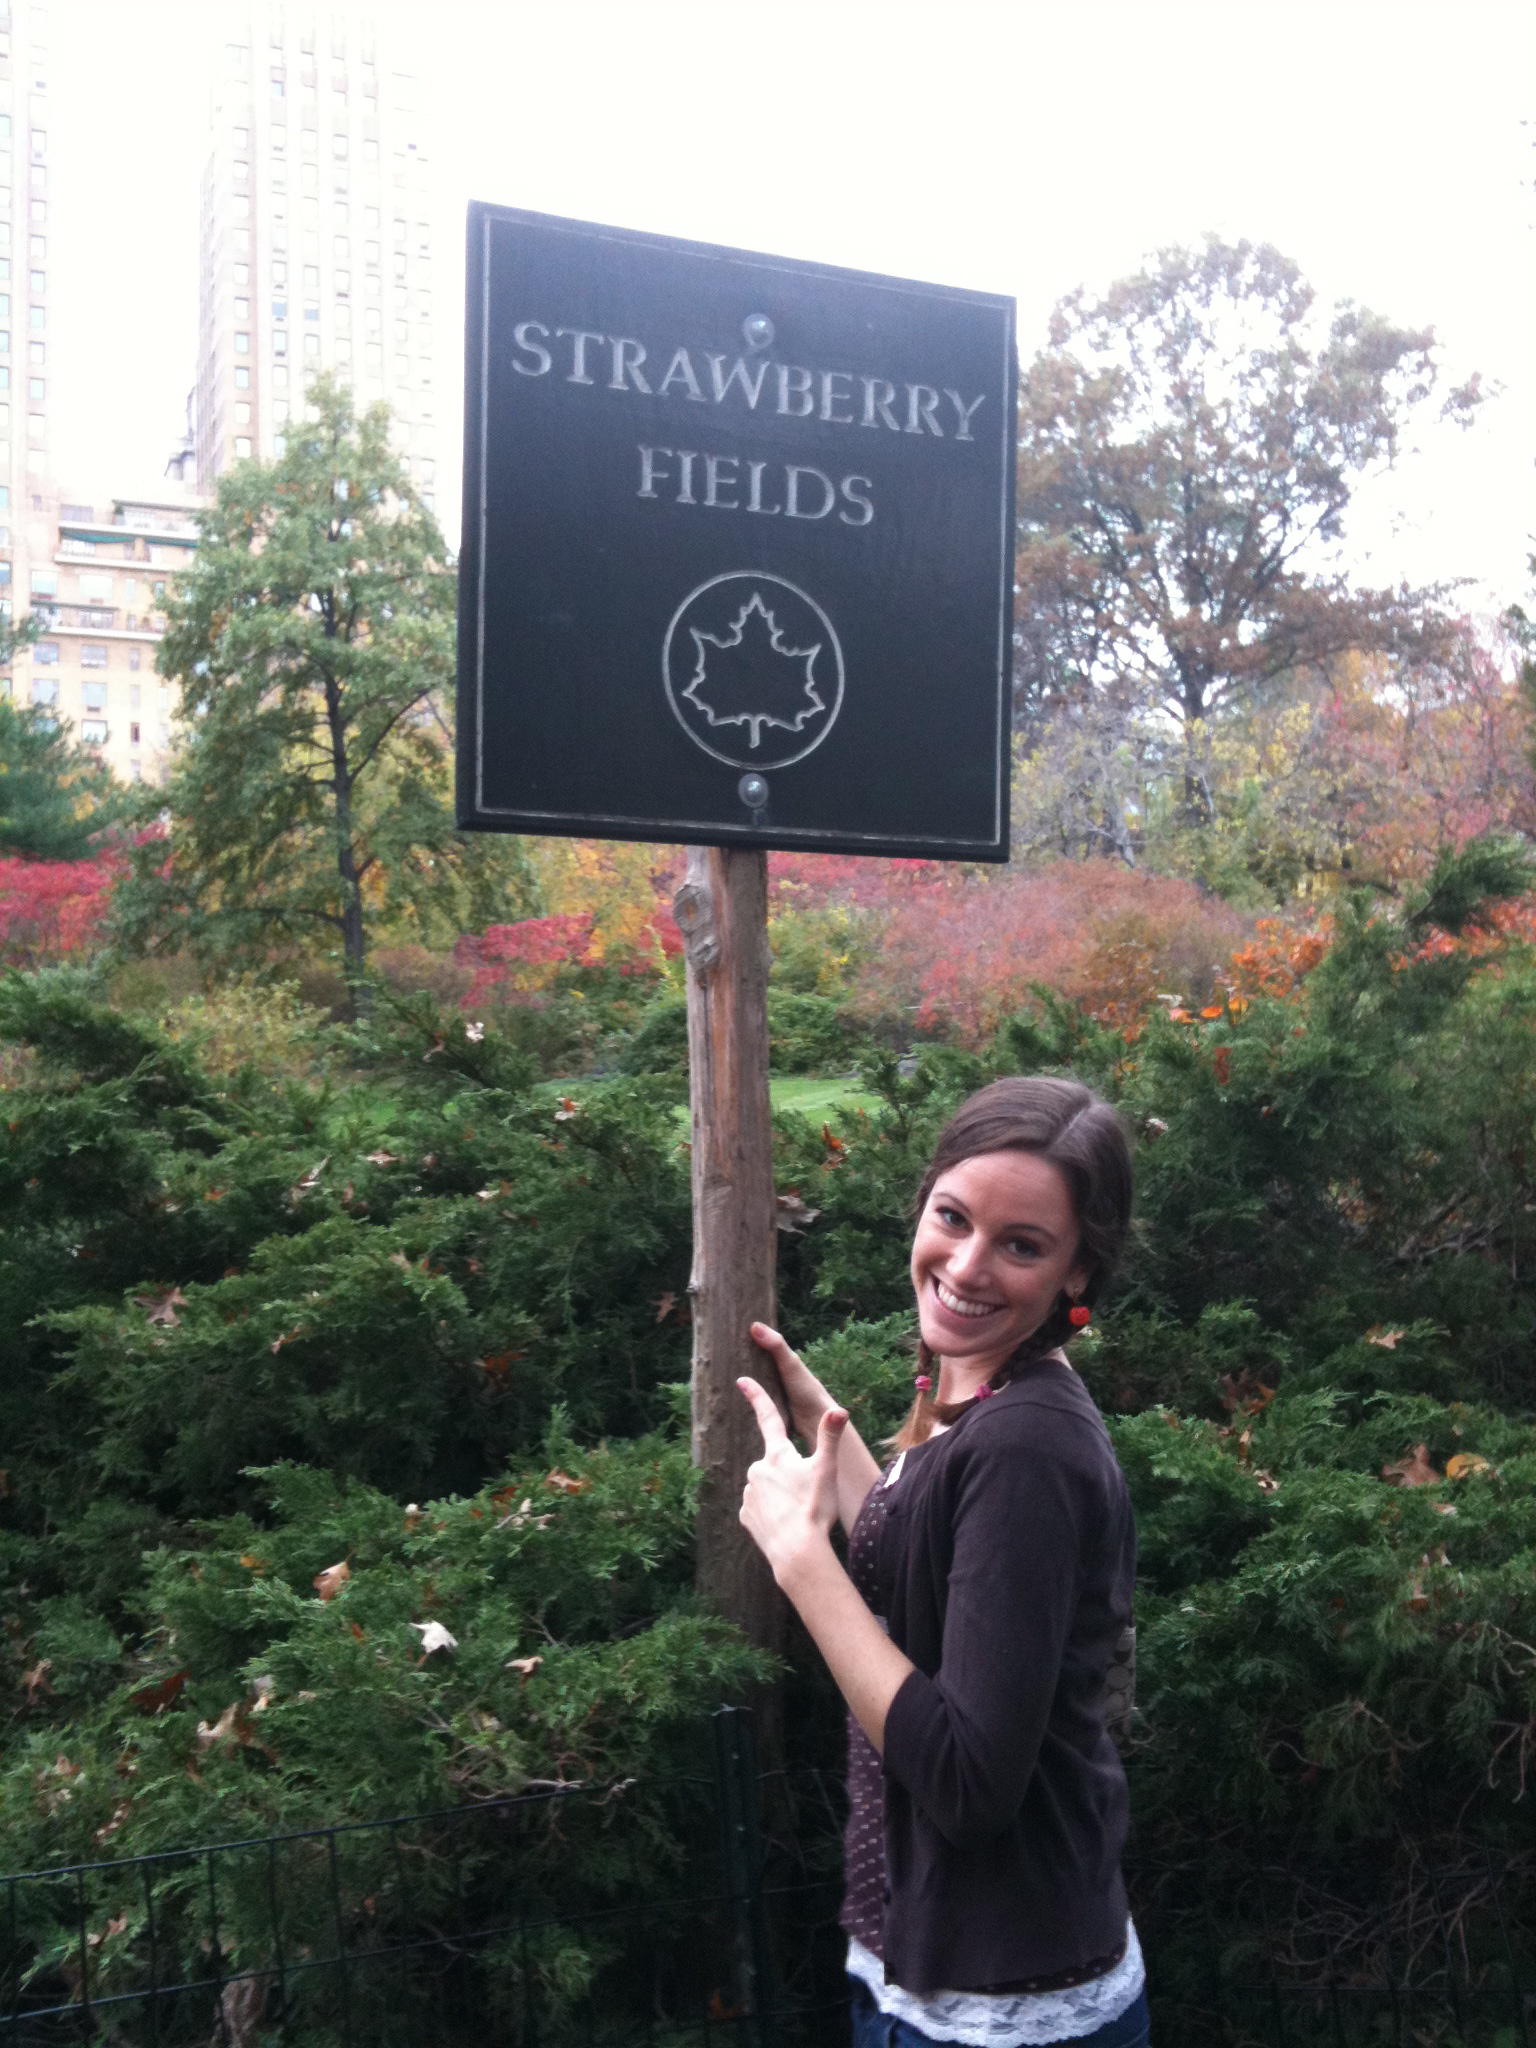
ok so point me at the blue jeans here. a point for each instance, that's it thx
(874, 2029)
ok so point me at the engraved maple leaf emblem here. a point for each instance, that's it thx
(747, 676)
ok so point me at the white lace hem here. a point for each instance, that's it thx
(1023, 2019)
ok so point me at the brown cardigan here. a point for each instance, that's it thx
(1006, 1563)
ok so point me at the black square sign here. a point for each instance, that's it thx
(738, 547)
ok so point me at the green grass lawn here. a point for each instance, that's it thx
(821, 1098)
(818, 1097)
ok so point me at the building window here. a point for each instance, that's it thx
(343, 283)
(93, 695)
(279, 341)
(242, 344)
(242, 447)
(338, 145)
(37, 213)
(312, 313)
(242, 377)
(5, 341)
(312, 348)
(37, 351)
(133, 662)
(341, 248)
(242, 276)
(45, 689)
(45, 583)
(243, 414)
(280, 377)
(371, 253)
(242, 309)
(39, 177)
(279, 277)
(311, 277)
(92, 656)
(39, 318)
(39, 143)
(37, 389)
(94, 731)
(5, 305)
(39, 283)
(37, 427)
(133, 735)
(373, 356)
(279, 309)
(241, 138)
(277, 88)
(135, 772)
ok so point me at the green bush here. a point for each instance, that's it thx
(264, 1288)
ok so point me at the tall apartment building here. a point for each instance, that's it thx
(316, 236)
(91, 575)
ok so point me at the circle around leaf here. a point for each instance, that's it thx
(743, 757)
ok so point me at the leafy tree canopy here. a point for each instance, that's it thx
(1189, 444)
(313, 641)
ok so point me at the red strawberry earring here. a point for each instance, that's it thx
(923, 1383)
(1080, 1315)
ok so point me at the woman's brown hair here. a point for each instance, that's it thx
(1081, 1136)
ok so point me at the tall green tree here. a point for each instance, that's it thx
(55, 795)
(313, 642)
(1188, 446)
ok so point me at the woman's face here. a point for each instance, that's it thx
(996, 1244)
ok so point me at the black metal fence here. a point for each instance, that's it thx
(697, 1909)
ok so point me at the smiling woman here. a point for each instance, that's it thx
(987, 1596)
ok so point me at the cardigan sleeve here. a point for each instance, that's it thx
(964, 1742)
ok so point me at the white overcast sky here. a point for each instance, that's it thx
(1026, 146)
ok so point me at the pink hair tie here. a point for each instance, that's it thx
(922, 1383)
(984, 1390)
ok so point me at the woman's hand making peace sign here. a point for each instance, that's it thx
(788, 1509)
(790, 1502)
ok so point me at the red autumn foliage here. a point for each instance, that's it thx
(517, 962)
(52, 908)
(961, 949)
(1279, 957)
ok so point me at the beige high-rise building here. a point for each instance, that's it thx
(91, 574)
(316, 234)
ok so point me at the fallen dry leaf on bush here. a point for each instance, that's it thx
(330, 1582)
(526, 1666)
(154, 1699)
(1414, 1471)
(162, 1307)
(1464, 1464)
(562, 1482)
(434, 1637)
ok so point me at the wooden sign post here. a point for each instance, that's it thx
(722, 912)
(736, 573)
